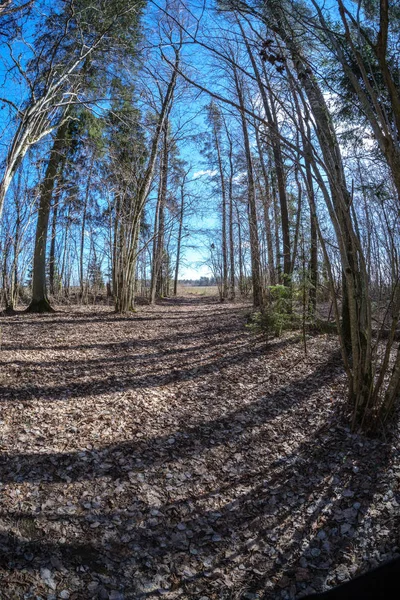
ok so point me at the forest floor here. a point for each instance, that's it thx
(174, 453)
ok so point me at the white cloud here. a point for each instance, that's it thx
(193, 272)
(208, 172)
(239, 177)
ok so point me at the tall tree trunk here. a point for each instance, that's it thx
(65, 248)
(155, 257)
(313, 264)
(160, 251)
(159, 223)
(305, 137)
(14, 292)
(356, 342)
(356, 321)
(240, 253)
(298, 220)
(179, 241)
(40, 302)
(14, 296)
(125, 268)
(266, 201)
(217, 143)
(253, 223)
(270, 112)
(84, 216)
(283, 203)
(231, 234)
(52, 255)
(278, 269)
(5, 286)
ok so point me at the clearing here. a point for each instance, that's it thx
(174, 453)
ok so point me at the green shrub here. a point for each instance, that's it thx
(277, 315)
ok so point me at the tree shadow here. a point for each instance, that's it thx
(188, 441)
(249, 502)
(144, 535)
(152, 313)
(271, 525)
(182, 356)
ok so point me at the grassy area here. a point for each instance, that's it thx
(198, 290)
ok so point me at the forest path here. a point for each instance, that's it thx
(173, 452)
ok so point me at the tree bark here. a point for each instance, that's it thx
(231, 234)
(40, 302)
(223, 211)
(126, 254)
(179, 242)
(159, 223)
(52, 256)
(270, 112)
(84, 216)
(253, 224)
(266, 201)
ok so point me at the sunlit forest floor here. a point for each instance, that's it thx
(173, 452)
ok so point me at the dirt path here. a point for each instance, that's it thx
(173, 453)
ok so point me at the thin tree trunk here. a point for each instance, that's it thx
(14, 293)
(52, 255)
(159, 224)
(84, 216)
(224, 294)
(6, 300)
(179, 242)
(126, 255)
(253, 224)
(154, 262)
(65, 248)
(278, 255)
(298, 220)
(313, 264)
(241, 275)
(270, 112)
(266, 202)
(231, 234)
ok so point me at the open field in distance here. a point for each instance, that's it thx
(198, 290)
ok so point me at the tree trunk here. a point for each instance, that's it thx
(179, 242)
(84, 215)
(14, 294)
(270, 112)
(126, 253)
(240, 248)
(280, 178)
(65, 248)
(40, 302)
(253, 224)
(266, 202)
(6, 300)
(231, 235)
(159, 223)
(224, 294)
(313, 265)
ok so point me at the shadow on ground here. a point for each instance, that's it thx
(258, 502)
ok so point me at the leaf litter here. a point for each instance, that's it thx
(171, 453)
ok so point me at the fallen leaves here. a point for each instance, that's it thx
(171, 453)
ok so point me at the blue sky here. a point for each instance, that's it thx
(13, 88)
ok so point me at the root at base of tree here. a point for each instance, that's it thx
(41, 306)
